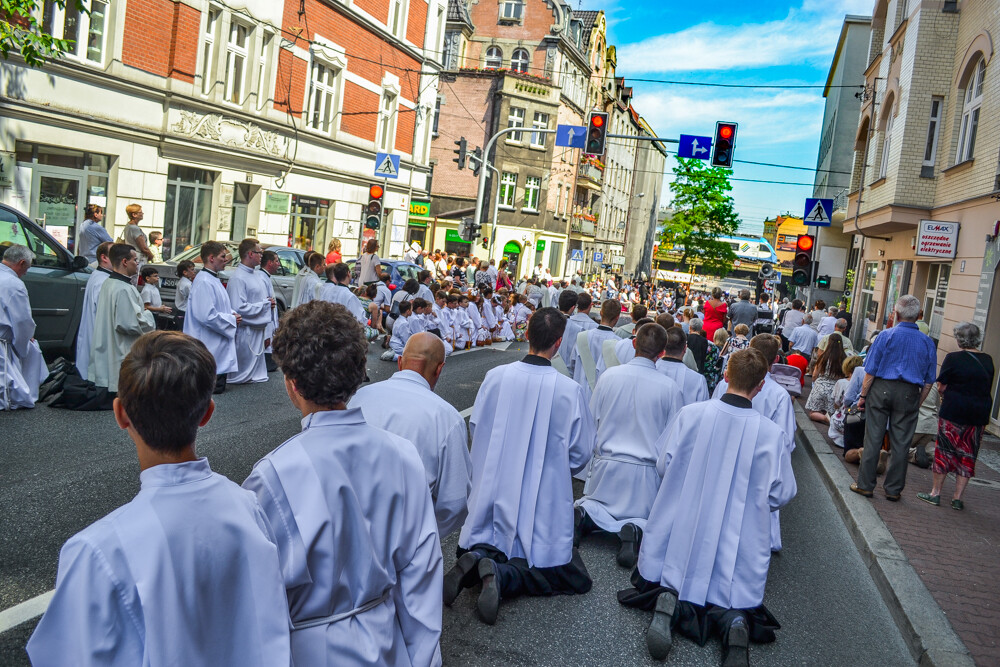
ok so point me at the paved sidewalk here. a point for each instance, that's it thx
(955, 553)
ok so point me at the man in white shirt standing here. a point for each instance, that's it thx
(269, 265)
(250, 300)
(22, 368)
(406, 405)
(210, 316)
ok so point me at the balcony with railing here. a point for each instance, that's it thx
(591, 173)
(583, 221)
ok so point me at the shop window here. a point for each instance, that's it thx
(308, 222)
(935, 298)
(188, 215)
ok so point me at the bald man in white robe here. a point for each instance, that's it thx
(406, 405)
(22, 368)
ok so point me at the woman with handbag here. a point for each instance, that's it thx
(965, 382)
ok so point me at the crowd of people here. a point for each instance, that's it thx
(331, 551)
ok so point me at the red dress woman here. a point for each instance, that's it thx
(715, 313)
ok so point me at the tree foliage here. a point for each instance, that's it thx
(21, 32)
(703, 211)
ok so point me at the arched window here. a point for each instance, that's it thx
(970, 112)
(494, 57)
(519, 61)
(886, 144)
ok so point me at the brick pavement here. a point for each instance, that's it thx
(956, 554)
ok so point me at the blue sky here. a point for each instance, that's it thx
(746, 42)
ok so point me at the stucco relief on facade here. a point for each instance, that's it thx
(229, 132)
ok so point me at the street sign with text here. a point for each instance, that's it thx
(571, 136)
(696, 147)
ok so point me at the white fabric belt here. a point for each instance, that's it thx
(623, 460)
(336, 618)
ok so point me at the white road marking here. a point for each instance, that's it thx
(24, 612)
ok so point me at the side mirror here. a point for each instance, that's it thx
(79, 263)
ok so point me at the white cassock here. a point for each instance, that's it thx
(306, 287)
(22, 368)
(584, 360)
(531, 428)
(632, 405)
(87, 315)
(187, 573)
(435, 428)
(120, 320)
(576, 323)
(490, 318)
(417, 324)
(401, 333)
(774, 403)
(625, 330)
(342, 294)
(424, 292)
(248, 296)
(615, 352)
(694, 387)
(506, 330)
(723, 473)
(210, 319)
(461, 326)
(357, 541)
(272, 326)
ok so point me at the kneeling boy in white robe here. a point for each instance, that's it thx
(350, 508)
(251, 301)
(187, 573)
(774, 403)
(705, 554)
(401, 332)
(584, 359)
(22, 368)
(632, 405)
(531, 428)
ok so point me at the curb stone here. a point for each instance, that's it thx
(924, 626)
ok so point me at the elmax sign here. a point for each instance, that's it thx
(937, 239)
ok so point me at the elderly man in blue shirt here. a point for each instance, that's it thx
(899, 370)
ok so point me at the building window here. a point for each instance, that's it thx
(438, 31)
(930, 150)
(264, 70)
(519, 60)
(558, 198)
(387, 122)
(935, 298)
(323, 102)
(508, 184)
(970, 113)
(437, 115)
(236, 59)
(188, 216)
(541, 122)
(886, 145)
(494, 58)
(511, 10)
(397, 18)
(515, 119)
(208, 50)
(532, 187)
(86, 29)
(449, 51)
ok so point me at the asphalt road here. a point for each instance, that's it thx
(63, 470)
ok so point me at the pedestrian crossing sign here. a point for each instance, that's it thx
(576, 256)
(818, 212)
(386, 165)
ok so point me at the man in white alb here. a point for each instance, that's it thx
(250, 299)
(89, 311)
(22, 368)
(590, 346)
(210, 316)
(337, 289)
(694, 387)
(577, 322)
(269, 266)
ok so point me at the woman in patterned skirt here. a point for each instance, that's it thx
(965, 382)
(829, 368)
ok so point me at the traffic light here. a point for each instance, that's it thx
(461, 153)
(597, 133)
(373, 212)
(468, 230)
(823, 282)
(725, 142)
(477, 161)
(803, 262)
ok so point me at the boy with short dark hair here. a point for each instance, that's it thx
(150, 294)
(187, 573)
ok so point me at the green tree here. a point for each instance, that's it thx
(20, 31)
(703, 211)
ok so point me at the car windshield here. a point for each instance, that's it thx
(407, 271)
(194, 254)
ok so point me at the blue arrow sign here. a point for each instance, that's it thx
(571, 136)
(692, 146)
(598, 256)
(819, 212)
(576, 256)
(386, 165)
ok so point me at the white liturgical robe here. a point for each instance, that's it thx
(210, 319)
(272, 326)
(632, 405)
(120, 320)
(342, 294)
(615, 353)
(405, 405)
(774, 403)
(22, 368)
(576, 323)
(531, 428)
(187, 573)
(357, 541)
(248, 296)
(87, 315)
(707, 535)
(584, 368)
(694, 387)
(306, 287)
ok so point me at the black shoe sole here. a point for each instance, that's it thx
(736, 651)
(628, 552)
(458, 577)
(659, 638)
(488, 604)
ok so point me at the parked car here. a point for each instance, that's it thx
(283, 281)
(399, 271)
(56, 282)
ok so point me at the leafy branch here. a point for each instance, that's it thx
(21, 32)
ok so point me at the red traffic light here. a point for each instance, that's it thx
(805, 243)
(726, 131)
(375, 192)
(597, 121)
